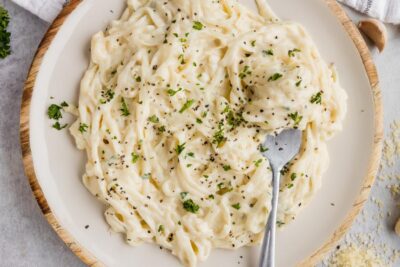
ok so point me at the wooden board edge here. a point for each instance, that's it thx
(375, 157)
(317, 256)
(71, 243)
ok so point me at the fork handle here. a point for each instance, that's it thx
(267, 258)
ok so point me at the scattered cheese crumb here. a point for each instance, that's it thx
(353, 256)
(391, 146)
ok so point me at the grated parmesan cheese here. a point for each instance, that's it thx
(353, 256)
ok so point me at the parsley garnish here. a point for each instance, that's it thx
(138, 79)
(317, 98)
(108, 96)
(258, 162)
(246, 71)
(222, 189)
(186, 106)
(5, 48)
(135, 157)
(298, 83)
(153, 119)
(179, 148)
(279, 223)
(190, 206)
(263, 149)
(54, 112)
(293, 176)
(236, 206)
(219, 137)
(253, 43)
(234, 120)
(172, 92)
(268, 52)
(291, 53)
(199, 121)
(197, 25)
(83, 127)
(58, 126)
(124, 108)
(275, 77)
(296, 118)
(161, 229)
(64, 104)
(181, 59)
(226, 167)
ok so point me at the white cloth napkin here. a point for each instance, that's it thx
(44, 9)
(384, 10)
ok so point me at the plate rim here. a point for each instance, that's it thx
(86, 256)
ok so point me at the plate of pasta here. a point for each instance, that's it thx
(142, 123)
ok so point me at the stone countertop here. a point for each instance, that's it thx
(26, 237)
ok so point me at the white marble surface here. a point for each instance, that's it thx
(27, 239)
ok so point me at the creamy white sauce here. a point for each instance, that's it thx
(176, 100)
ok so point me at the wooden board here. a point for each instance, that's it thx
(318, 255)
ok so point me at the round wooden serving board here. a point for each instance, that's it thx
(89, 259)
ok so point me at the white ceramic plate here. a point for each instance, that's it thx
(58, 165)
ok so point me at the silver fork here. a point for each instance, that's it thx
(280, 149)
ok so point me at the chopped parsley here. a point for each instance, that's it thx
(190, 206)
(268, 52)
(64, 104)
(234, 120)
(54, 112)
(5, 48)
(58, 126)
(293, 176)
(124, 108)
(190, 154)
(258, 162)
(292, 53)
(186, 106)
(219, 137)
(138, 79)
(197, 25)
(181, 59)
(317, 98)
(172, 92)
(275, 76)
(222, 189)
(107, 96)
(83, 127)
(153, 119)
(161, 229)
(199, 121)
(179, 148)
(226, 167)
(236, 206)
(184, 194)
(296, 118)
(246, 71)
(298, 83)
(253, 43)
(262, 148)
(279, 223)
(135, 157)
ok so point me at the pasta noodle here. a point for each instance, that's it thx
(178, 96)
